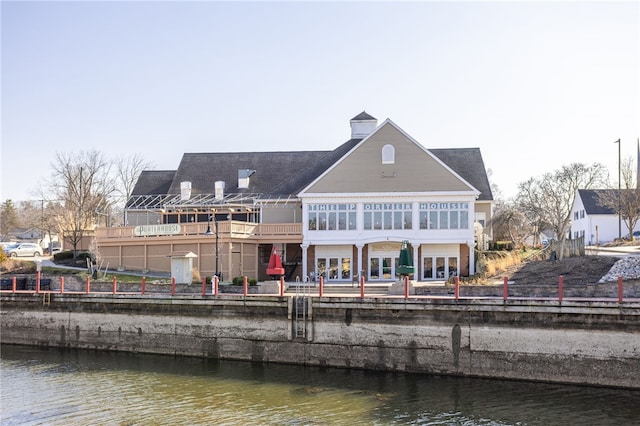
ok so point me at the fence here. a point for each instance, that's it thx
(620, 291)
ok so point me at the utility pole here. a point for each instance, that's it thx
(619, 189)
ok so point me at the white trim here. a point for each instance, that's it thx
(391, 195)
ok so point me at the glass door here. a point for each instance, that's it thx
(334, 268)
(427, 269)
(440, 272)
(439, 267)
(322, 268)
(374, 268)
(382, 268)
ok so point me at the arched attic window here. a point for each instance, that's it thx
(388, 154)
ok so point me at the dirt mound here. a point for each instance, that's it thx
(575, 270)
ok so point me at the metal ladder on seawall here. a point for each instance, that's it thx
(300, 306)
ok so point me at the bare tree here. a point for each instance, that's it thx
(510, 223)
(128, 171)
(548, 200)
(529, 203)
(80, 189)
(626, 202)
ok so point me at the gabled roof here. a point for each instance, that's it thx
(154, 182)
(589, 199)
(278, 174)
(464, 167)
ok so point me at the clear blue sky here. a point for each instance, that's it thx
(533, 85)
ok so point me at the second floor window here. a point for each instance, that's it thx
(444, 215)
(387, 216)
(332, 217)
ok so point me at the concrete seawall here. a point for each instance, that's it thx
(594, 343)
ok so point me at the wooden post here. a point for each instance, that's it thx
(361, 287)
(204, 286)
(61, 285)
(406, 286)
(620, 293)
(281, 286)
(456, 280)
(115, 285)
(321, 286)
(215, 285)
(560, 288)
(505, 289)
(144, 285)
(245, 286)
(173, 286)
(88, 286)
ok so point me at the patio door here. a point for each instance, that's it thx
(382, 268)
(439, 267)
(334, 268)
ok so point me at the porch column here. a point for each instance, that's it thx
(416, 261)
(472, 257)
(304, 261)
(360, 266)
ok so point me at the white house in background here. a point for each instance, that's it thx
(596, 223)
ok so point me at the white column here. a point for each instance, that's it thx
(472, 257)
(360, 265)
(304, 261)
(416, 261)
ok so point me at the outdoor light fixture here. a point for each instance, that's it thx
(208, 232)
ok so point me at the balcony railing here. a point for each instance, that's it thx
(236, 229)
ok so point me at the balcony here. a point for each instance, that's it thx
(235, 229)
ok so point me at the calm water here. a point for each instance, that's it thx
(56, 387)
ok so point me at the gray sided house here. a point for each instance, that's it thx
(338, 214)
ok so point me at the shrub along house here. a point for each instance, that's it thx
(338, 214)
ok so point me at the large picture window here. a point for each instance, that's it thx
(444, 215)
(331, 217)
(387, 216)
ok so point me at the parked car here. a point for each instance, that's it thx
(23, 249)
(4, 245)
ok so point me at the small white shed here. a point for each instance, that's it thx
(182, 266)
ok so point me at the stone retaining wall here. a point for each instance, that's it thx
(595, 343)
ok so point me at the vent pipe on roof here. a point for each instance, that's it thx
(219, 188)
(185, 191)
(243, 178)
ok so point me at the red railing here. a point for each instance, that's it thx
(36, 288)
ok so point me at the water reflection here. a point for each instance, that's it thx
(86, 387)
